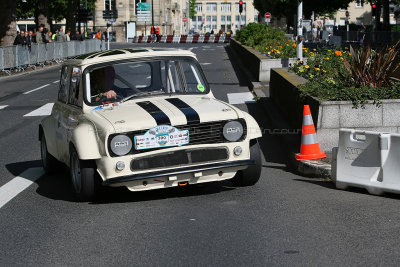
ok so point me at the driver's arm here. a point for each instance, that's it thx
(108, 95)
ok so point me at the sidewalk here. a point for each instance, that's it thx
(290, 142)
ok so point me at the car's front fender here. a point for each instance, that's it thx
(86, 142)
(253, 130)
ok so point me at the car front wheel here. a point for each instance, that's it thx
(251, 175)
(83, 177)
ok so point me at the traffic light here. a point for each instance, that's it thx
(240, 6)
(373, 9)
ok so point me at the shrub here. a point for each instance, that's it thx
(376, 69)
(259, 36)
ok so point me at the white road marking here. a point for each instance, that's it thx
(19, 184)
(4, 106)
(41, 87)
(205, 64)
(44, 110)
(241, 98)
(208, 49)
(190, 49)
(55, 81)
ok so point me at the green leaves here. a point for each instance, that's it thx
(375, 69)
(259, 35)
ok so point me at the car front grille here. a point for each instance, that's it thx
(199, 133)
(180, 158)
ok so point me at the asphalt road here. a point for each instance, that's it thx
(283, 220)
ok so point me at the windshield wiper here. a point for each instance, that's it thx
(142, 94)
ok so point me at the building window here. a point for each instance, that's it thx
(225, 7)
(109, 4)
(237, 7)
(359, 20)
(242, 22)
(211, 7)
(214, 22)
(199, 7)
(208, 23)
(359, 3)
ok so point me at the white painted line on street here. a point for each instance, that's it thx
(19, 184)
(205, 64)
(4, 106)
(190, 49)
(44, 110)
(241, 98)
(41, 87)
(55, 81)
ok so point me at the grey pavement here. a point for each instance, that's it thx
(284, 220)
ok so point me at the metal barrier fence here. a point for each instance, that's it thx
(17, 58)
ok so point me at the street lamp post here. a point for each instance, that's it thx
(300, 30)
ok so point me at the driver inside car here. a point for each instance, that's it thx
(102, 84)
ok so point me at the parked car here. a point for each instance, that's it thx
(145, 119)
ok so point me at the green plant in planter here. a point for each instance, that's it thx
(375, 69)
(356, 76)
(259, 35)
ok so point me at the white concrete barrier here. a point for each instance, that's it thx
(176, 39)
(163, 39)
(368, 160)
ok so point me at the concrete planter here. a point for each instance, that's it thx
(330, 116)
(258, 64)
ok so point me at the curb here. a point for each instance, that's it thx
(290, 143)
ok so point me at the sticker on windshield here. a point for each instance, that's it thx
(161, 136)
(200, 87)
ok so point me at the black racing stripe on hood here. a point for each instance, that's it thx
(191, 115)
(160, 117)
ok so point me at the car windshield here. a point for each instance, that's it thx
(124, 81)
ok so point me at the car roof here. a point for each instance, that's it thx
(126, 53)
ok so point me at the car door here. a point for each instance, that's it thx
(70, 112)
(59, 109)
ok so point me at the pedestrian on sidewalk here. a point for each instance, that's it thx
(20, 39)
(60, 37)
(40, 35)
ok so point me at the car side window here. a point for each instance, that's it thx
(62, 93)
(194, 81)
(74, 94)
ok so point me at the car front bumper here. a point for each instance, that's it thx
(181, 176)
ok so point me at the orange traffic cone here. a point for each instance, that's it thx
(309, 145)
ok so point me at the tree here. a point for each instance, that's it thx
(42, 13)
(8, 27)
(192, 8)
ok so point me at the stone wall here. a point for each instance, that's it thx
(258, 64)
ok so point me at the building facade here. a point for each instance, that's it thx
(172, 16)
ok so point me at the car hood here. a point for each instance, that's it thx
(146, 113)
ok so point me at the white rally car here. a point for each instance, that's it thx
(145, 119)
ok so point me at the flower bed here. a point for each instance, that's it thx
(357, 76)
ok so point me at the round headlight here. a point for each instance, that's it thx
(233, 131)
(121, 145)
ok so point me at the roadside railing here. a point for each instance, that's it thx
(17, 58)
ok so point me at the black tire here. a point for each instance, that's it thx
(251, 175)
(50, 163)
(83, 177)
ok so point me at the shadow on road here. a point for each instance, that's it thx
(269, 144)
(19, 167)
(58, 187)
(239, 74)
